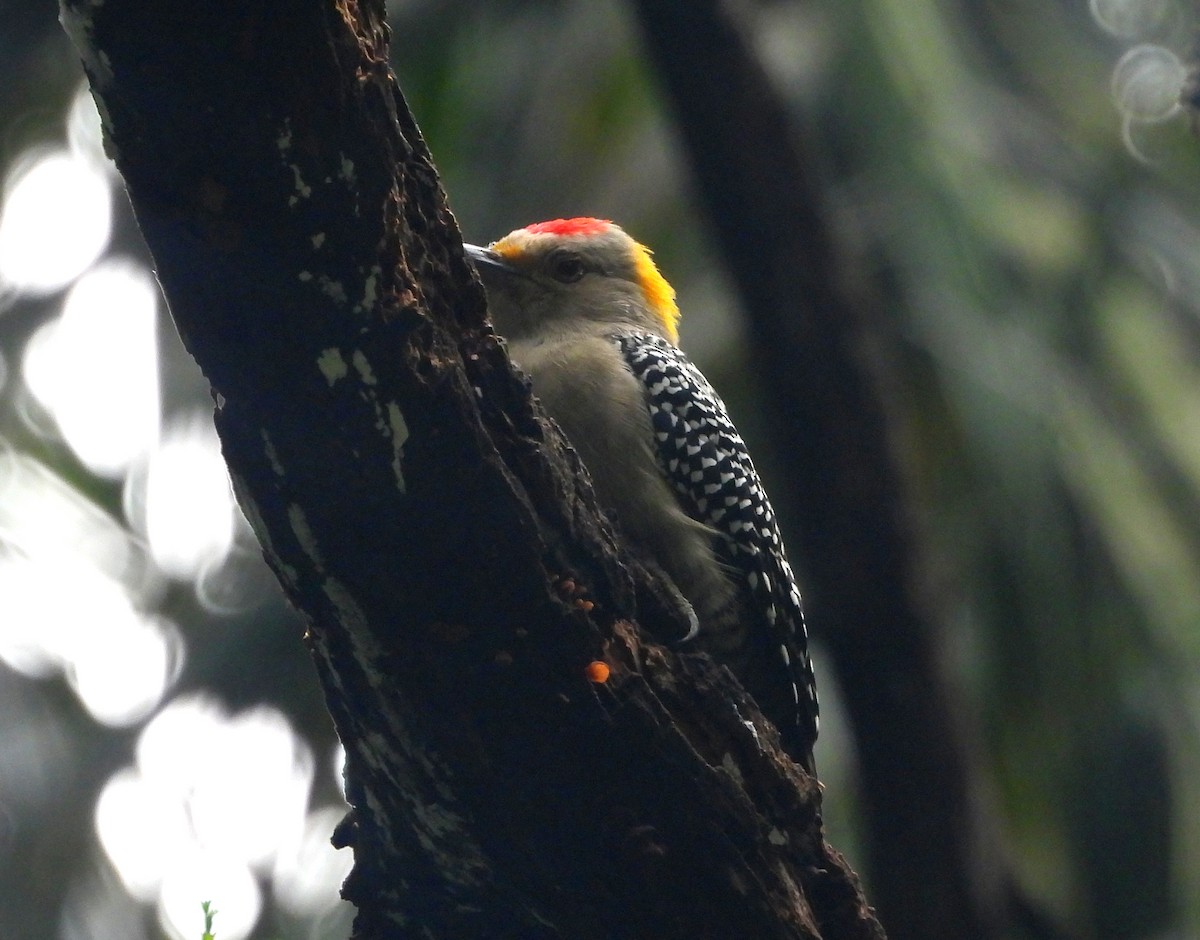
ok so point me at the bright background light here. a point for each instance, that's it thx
(95, 367)
(181, 500)
(223, 881)
(215, 806)
(212, 801)
(55, 220)
(85, 135)
(1131, 19)
(120, 660)
(145, 653)
(305, 871)
(237, 582)
(1147, 82)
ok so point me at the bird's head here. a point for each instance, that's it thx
(568, 270)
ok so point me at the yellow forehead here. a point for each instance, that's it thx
(515, 245)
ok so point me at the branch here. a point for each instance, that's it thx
(438, 535)
(936, 867)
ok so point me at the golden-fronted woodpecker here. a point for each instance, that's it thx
(587, 315)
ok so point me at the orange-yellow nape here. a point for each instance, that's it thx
(659, 294)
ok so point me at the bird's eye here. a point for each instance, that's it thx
(567, 268)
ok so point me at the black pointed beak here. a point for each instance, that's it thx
(487, 261)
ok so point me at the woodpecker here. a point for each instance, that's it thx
(589, 318)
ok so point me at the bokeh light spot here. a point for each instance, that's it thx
(51, 536)
(1131, 19)
(1146, 83)
(212, 798)
(121, 674)
(307, 876)
(55, 221)
(209, 876)
(182, 500)
(85, 135)
(95, 368)
(254, 794)
(236, 583)
(141, 828)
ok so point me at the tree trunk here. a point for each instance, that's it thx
(439, 537)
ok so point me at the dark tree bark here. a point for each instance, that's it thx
(440, 538)
(937, 869)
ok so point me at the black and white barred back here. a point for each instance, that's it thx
(706, 461)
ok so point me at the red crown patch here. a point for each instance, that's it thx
(579, 226)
